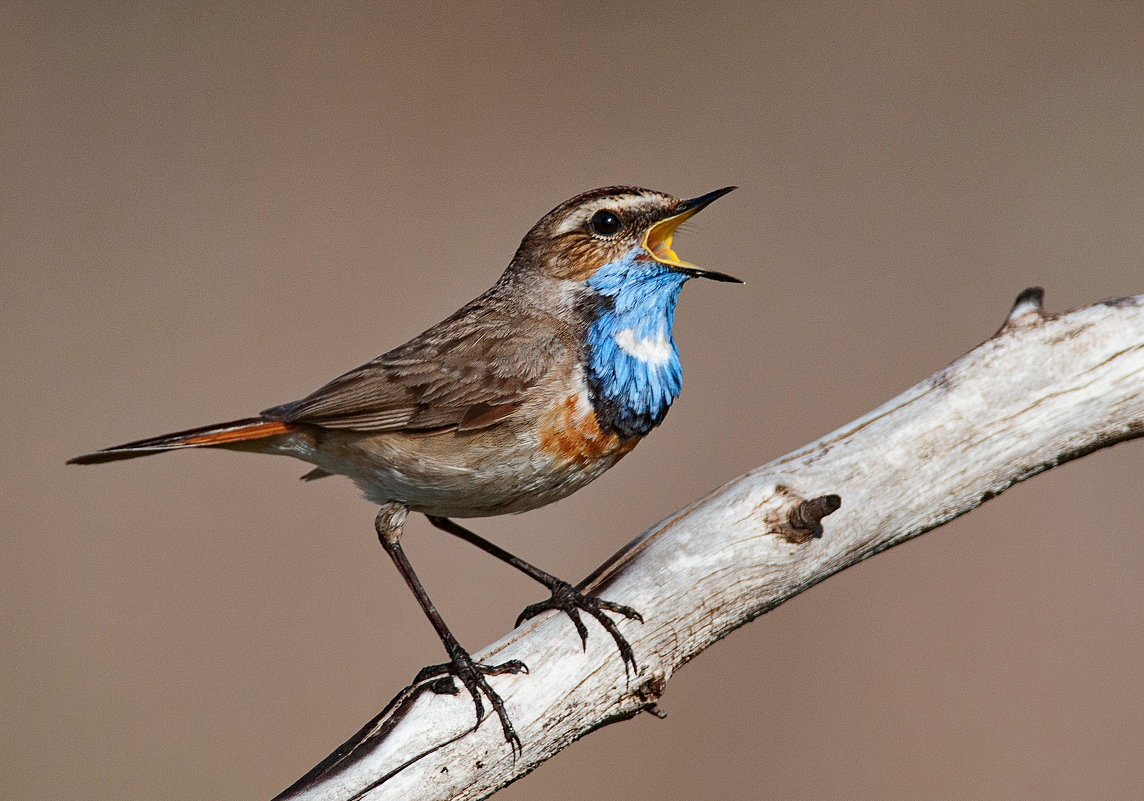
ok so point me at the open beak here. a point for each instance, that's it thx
(657, 240)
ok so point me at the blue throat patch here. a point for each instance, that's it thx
(633, 365)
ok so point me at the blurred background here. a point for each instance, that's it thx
(215, 207)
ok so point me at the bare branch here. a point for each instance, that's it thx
(1043, 390)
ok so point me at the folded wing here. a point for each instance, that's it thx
(468, 372)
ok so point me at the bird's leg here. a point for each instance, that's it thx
(389, 524)
(565, 597)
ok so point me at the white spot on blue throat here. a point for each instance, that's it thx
(655, 350)
(634, 372)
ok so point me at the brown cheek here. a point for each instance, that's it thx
(576, 258)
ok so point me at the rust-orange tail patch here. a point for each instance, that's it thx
(251, 428)
(257, 430)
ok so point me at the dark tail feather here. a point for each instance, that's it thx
(207, 436)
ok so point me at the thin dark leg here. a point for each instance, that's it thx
(565, 597)
(472, 674)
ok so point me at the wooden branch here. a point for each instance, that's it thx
(1043, 390)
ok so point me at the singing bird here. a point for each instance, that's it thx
(518, 399)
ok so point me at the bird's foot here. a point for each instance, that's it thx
(472, 675)
(571, 601)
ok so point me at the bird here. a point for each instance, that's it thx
(518, 399)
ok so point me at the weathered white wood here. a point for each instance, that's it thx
(1043, 390)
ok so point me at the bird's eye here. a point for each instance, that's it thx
(605, 223)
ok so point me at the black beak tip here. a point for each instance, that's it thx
(705, 200)
(714, 276)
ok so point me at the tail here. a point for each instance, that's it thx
(252, 428)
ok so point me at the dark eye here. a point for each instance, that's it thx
(605, 223)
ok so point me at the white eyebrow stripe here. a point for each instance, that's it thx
(655, 350)
(585, 212)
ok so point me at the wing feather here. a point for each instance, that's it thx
(468, 372)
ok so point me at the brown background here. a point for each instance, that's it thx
(212, 209)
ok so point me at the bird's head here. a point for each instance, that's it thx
(607, 255)
(613, 226)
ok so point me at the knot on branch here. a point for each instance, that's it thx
(807, 516)
(803, 520)
(649, 693)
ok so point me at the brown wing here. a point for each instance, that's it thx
(467, 372)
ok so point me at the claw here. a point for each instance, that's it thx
(619, 609)
(570, 601)
(472, 676)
